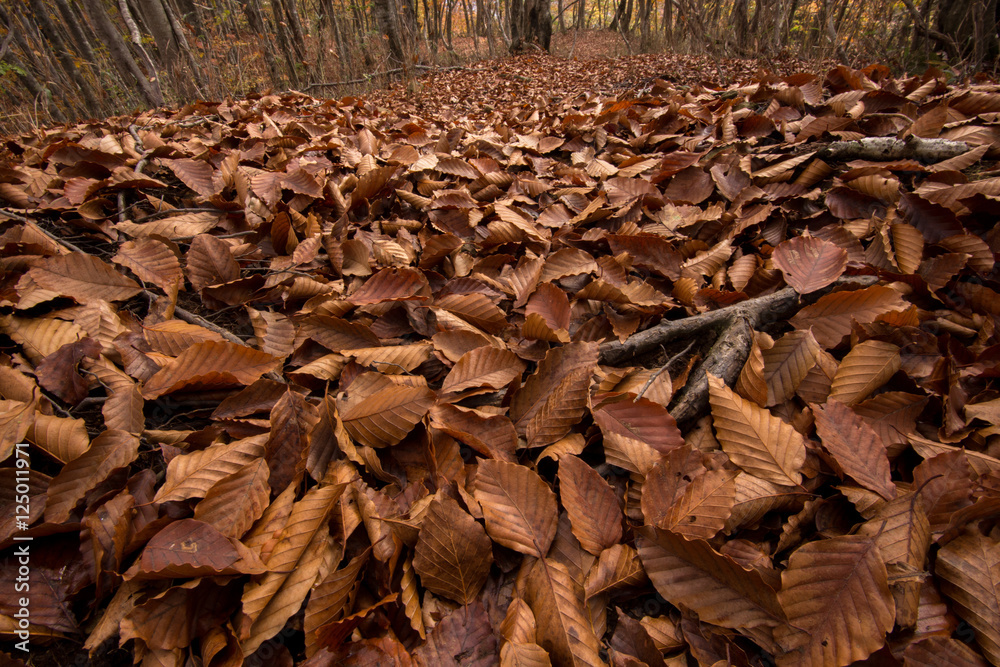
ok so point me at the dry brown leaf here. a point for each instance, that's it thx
(563, 624)
(836, 595)
(809, 263)
(520, 509)
(968, 568)
(453, 554)
(591, 504)
(855, 447)
(755, 440)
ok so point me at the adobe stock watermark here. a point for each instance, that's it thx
(22, 551)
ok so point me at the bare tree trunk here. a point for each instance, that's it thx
(740, 23)
(79, 38)
(185, 49)
(283, 44)
(295, 26)
(530, 23)
(120, 56)
(133, 30)
(387, 16)
(187, 12)
(256, 23)
(64, 56)
(39, 91)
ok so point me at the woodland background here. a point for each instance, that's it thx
(65, 60)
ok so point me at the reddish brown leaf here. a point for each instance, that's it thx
(809, 263)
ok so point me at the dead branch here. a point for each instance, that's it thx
(396, 70)
(734, 327)
(888, 148)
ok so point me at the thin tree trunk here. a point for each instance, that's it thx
(184, 48)
(64, 56)
(295, 29)
(133, 30)
(256, 22)
(37, 90)
(79, 38)
(286, 51)
(120, 56)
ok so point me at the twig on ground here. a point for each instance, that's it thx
(661, 369)
(734, 325)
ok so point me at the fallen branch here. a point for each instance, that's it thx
(888, 148)
(734, 327)
(395, 70)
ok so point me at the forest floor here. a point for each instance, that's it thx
(634, 360)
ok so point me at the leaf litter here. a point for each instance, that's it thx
(546, 362)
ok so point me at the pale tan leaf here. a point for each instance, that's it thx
(868, 366)
(84, 278)
(755, 440)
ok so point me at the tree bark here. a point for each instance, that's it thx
(973, 25)
(530, 23)
(73, 24)
(133, 30)
(387, 17)
(120, 56)
(256, 22)
(64, 56)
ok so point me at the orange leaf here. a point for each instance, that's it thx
(836, 595)
(84, 278)
(855, 447)
(382, 414)
(108, 451)
(754, 439)
(486, 366)
(213, 363)
(591, 504)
